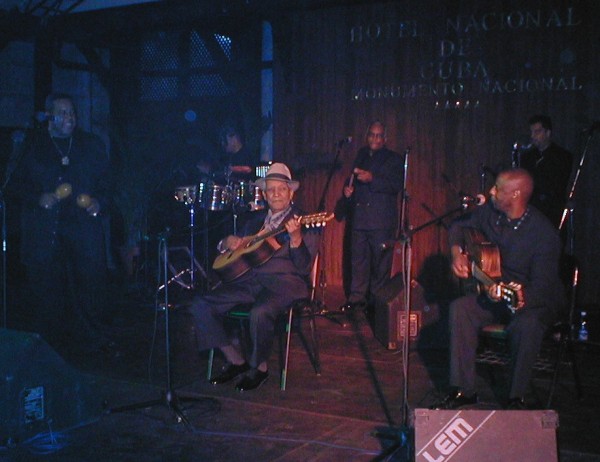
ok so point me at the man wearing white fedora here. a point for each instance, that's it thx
(269, 287)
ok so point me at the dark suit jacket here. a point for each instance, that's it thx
(374, 205)
(40, 171)
(551, 171)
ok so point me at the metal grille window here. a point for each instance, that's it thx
(158, 88)
(225, 43)
(199, 54)
(159, 52)
(162, 72)
(208, 85)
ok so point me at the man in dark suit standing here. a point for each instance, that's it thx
(550, 166)
(270, 287)
(372, 196)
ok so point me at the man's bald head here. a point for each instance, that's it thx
(519, 180)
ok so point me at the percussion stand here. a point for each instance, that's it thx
(169, 398)
(193, 263)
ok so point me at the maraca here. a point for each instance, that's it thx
(63, 191)
(84, 201)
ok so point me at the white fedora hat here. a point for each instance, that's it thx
(280, 172)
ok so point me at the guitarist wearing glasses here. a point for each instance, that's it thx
(512, 250)
(267, 266)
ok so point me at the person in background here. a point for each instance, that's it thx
(371, 196)
(550, 166)
(235, 163)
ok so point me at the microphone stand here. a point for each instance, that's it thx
(18, 151)
(169, 398)
(402, 437)
(568, 210)
(323, 310)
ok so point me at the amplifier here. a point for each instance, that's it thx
(39, 391)
(389, 318)
(485, 435)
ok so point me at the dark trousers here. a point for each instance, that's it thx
(67, 292)
(371, 264)
(268, 303)
(525, 333)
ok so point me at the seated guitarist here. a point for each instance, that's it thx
(529, 249)
(269, 287)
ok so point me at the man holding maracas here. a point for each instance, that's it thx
(62, 182)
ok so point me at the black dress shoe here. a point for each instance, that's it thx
(516, 404)
(252, 380)
(454, 400)
(229, 373)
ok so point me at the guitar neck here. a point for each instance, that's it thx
(481, 276)
(262, 237)
(315, 219)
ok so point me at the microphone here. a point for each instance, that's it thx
(45, 117)
(344, 141)
(478, 199)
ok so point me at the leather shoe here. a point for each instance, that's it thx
(252, 380)
(229, 373)
(516, 404)
(454, 400)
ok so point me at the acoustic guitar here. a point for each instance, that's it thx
(485, 268)
(259, 248)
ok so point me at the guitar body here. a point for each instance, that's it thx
(486, 269)
(232, 264)
(482, 252)
(257, 249)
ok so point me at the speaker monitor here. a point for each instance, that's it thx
(485, 435)
(389, 320)
(39, 391)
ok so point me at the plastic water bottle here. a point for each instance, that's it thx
(583, 330)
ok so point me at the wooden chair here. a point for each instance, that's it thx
(302, 308)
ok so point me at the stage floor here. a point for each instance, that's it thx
(353, 411)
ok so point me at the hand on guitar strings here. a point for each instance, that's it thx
(232, 242)
(460, 263)
(494, 292)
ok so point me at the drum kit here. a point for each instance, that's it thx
(239, 196)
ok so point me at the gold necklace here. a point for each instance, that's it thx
(64, 158)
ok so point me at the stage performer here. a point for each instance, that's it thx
(529, 250)
(62, 182)
(371, 196)
(269, 288)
